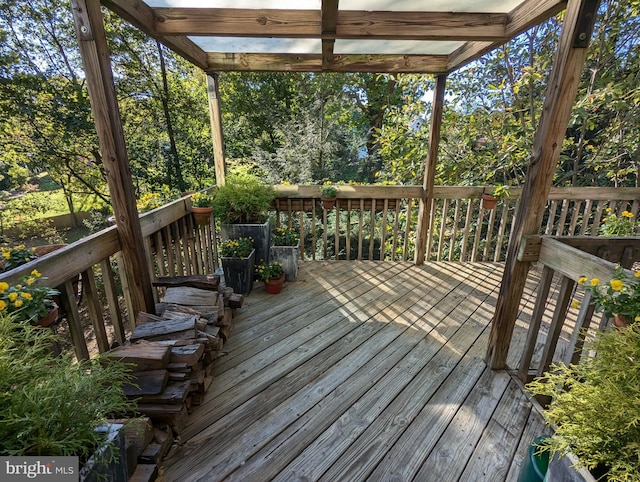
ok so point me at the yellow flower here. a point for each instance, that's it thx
(18, 303)
(6, 254)
(36, 273)
(595, 282)
(13, 296)
(575, 304)
(637, 318)
(616, 284)
(627, 214)
(3, 286)
(608, 210)
(637, 274)
(30, 281)
(26, 296)
(583, 279)
(3, 305)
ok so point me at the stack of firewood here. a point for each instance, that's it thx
(173, 351)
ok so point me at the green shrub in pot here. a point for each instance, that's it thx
(595, 407)
(52, 405)
(244, 198)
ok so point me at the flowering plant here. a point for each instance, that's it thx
(620, 297)
(202, 200)
(268, 271)
(623, 225)
(329, 190)
(13, 257)
(28, 301)
(285, 237)
(237, 248)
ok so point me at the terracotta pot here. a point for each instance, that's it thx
(621, 321)
(274, 285)
(201, 215)
(50, 319)
(327, 202)
(488, 201)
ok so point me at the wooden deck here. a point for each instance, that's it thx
(363, 371)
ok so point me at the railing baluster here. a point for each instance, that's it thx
(69, 304)
(336, 249)
(94, 307)
(124, 282)
(443, 228)
(476, 238)
(563, 217)
(111, 295)
(360, 228)
(467, 227)
(503, 224)
(372, 226)
(595, 227)
(159, 250)
(168, 246)
(407, 230)
(454, 230)
(150, 263)
(577, 206)
(348, 230)
(430, 233)
(383, 230)
(487, 244)
(396, 221)
(586, 216)
(574, 350)
(552, 217)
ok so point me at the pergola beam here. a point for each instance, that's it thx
(104, 105)
(427, 64)
(547, 144)
(140, 15)
(330, 23)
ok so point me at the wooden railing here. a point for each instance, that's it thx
(90, 276)
(459, 230)
(564, 261)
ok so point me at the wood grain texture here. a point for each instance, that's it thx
(339, 391)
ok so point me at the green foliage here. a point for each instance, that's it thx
(621, 296)
(328, 190)
(285, 237)
(501, 191)
(595, 405)
(236, 248)
(52, 405)
(243, 199)
(14, 256)
(623, 225)
(267, 271)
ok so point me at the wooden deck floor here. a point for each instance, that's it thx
(363, 371)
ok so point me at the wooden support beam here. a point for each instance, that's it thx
(215, 118)
(561, 92)
(424, 211)
(95, 58)
(329, 21)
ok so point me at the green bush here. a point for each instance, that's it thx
(243, 199)
(52, 405)
(596, 405)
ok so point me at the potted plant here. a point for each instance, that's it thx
(286, 250)
(238, 263)
(489, 201)
(241, 206)
(328, 193)
(594, 408)
(618, 299)
(52, 405)
(15, 256)
(273, 276)
(28, 302)
(202, 207)
(623, 225)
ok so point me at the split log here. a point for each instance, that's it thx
(205, 282)
(174, 393)
(190, 354)
(144, 317)
(226, 319)
(173, 415)
(235, 300)
(190, 296)
(166, 330)
(145, 473)
(143, 356)
(151, 382)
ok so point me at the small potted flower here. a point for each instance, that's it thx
(202, 207)
(15, 256)
(328, 193)
(28, 302)
(489, 201)
(238, 263)
(286, 250)
(619, 299)
(273, 276)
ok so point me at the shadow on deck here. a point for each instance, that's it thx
(364, 371)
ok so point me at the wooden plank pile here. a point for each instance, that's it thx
(173, 351)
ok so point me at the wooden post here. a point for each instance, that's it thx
(216, 126)
(561, 91)
(95, 58)
(424, 211)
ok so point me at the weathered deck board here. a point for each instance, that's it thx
(363, 371)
